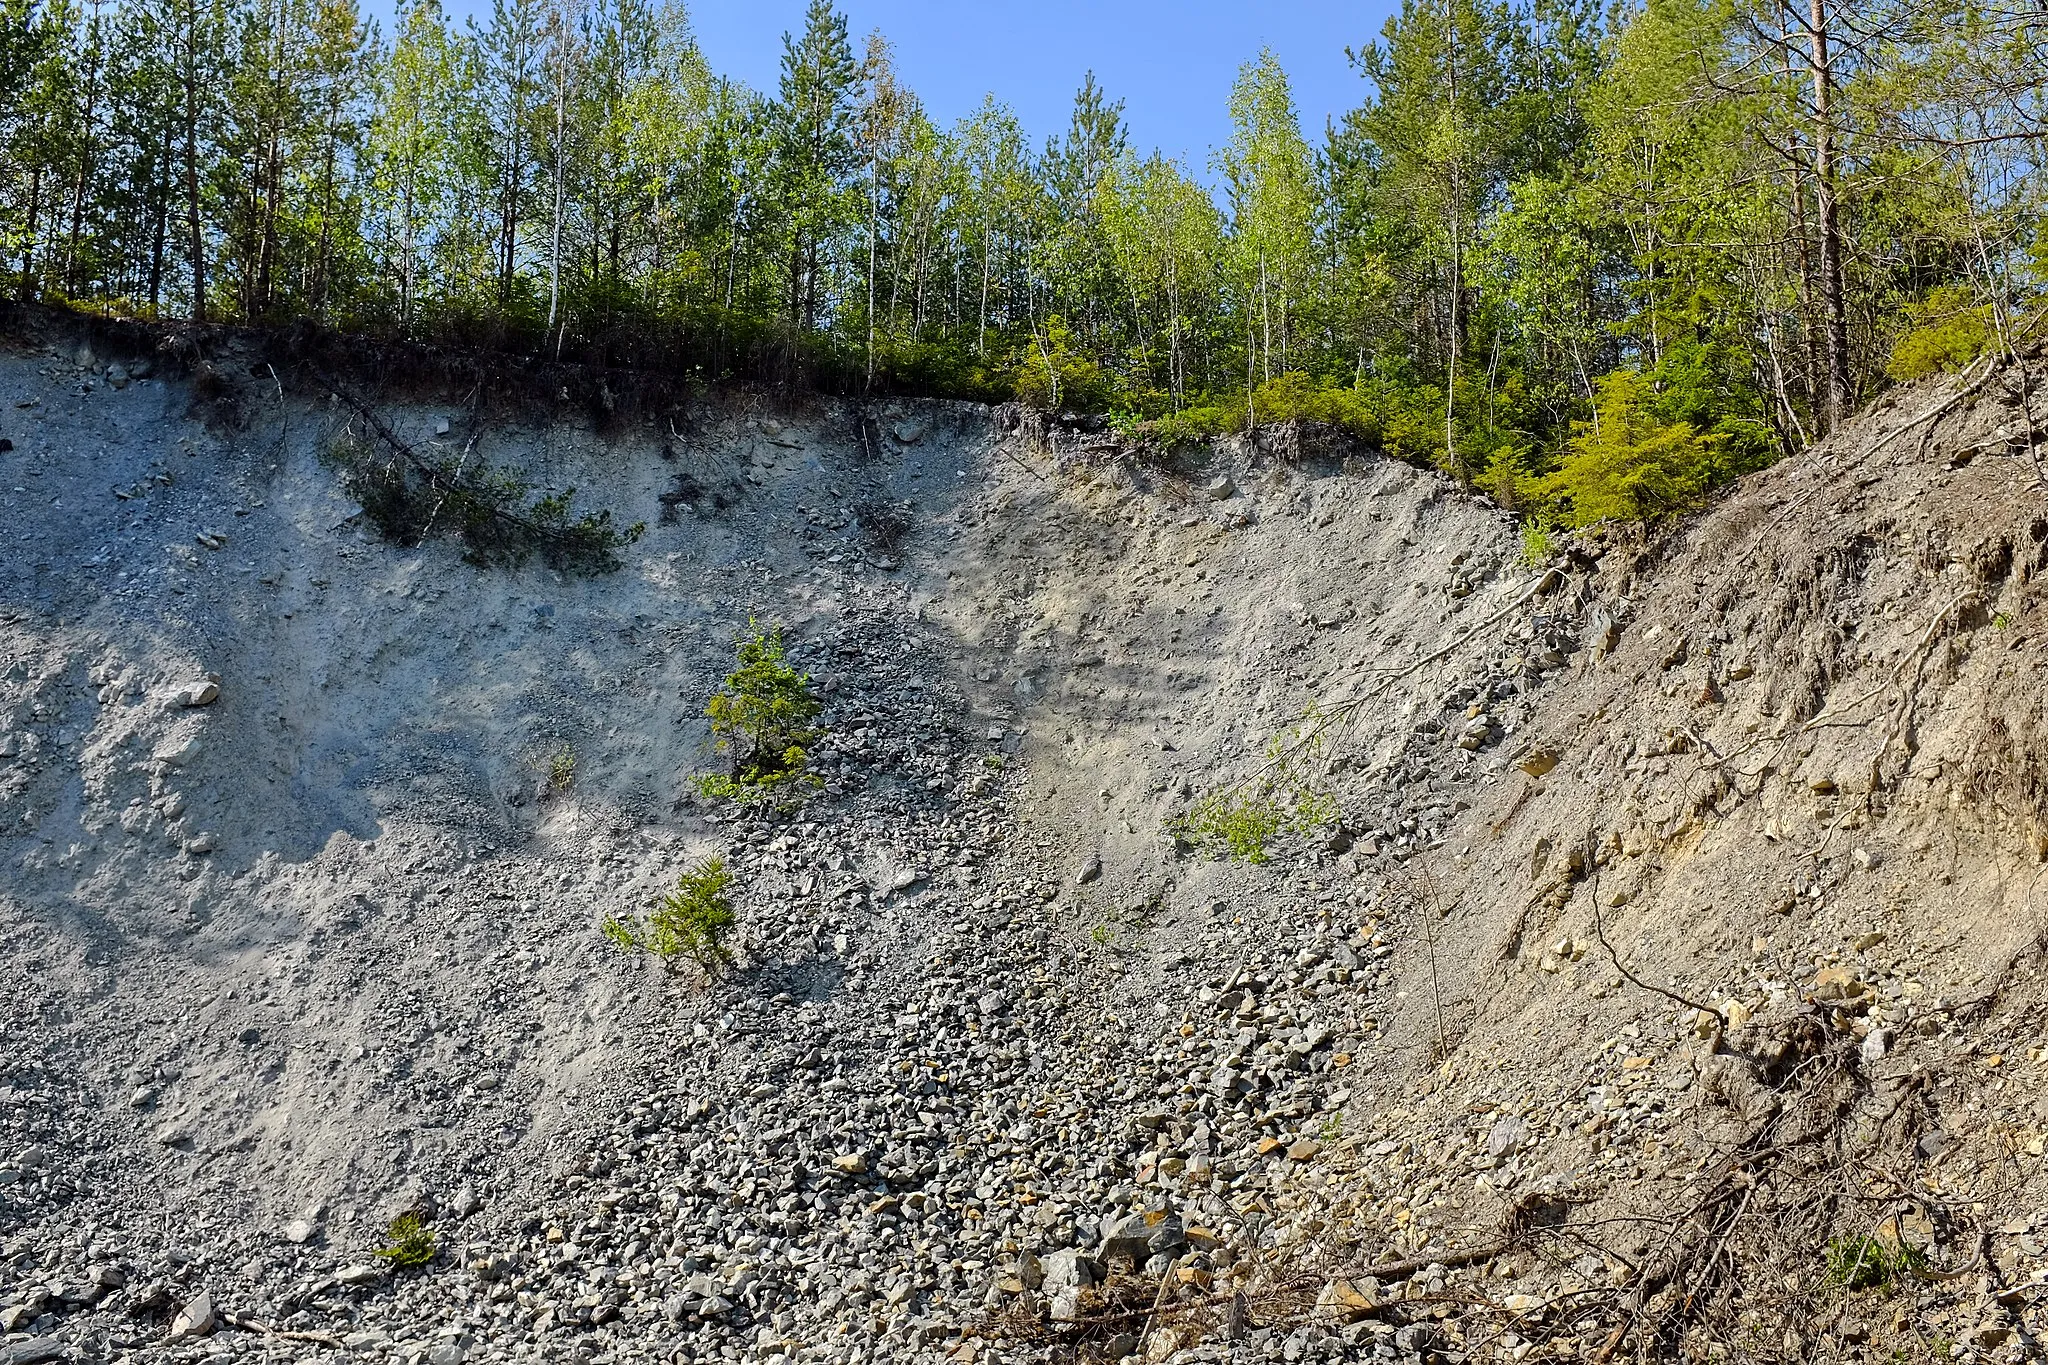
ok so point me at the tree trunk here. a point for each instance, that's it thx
(26, 285)
(194, 228)
(1835, 337)
(160, 214)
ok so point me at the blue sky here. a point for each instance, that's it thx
(1171, 63)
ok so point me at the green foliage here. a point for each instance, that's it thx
(1240, 823)
(1527, 199)
(1857, 1264)
(411, 498)
(764, 719)
(1189, 427)
(1947, 330)
(409, 1244)
(692, 923)
(562, 769)
(1628, 464)
(1052, 374)
(1536, 544)
(1101, 935)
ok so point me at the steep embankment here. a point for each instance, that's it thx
(290, 959)
(1741, 997)
(1003, 1071)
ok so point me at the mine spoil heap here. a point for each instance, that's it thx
(1664, 984)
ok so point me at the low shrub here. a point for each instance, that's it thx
(411, 497)
(765, 719)
(562, 769)
(1240, 823)
(1861, 1263)
(1949, 330)
(410, 1243)
(692, 923)
(1627, 463)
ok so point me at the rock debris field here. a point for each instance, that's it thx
(1662, 867)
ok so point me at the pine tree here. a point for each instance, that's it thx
(815, 152)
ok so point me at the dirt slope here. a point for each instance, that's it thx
(283, 963)
(1752, 972)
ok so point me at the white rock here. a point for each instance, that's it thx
(179, 755)
(195, 1319)
(1219, 488)
(203, 693)
(1508, 1136)
(910, 433)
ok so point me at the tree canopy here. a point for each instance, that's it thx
(1657, 244)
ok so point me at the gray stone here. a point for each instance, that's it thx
(1090, 871)
(180, 754)
(203, 693)
(195, 1319)
(1127, 1238)
(34, 1351)
(300, 1231)
(1067, 1269)
(1219, 488)
(1507, 1137)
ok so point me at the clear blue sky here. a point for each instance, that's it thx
(1170, 61)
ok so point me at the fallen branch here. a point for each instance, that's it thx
(494, 523)
(1387, 678)
(1413, 1265)
(1600, 932)
(264, 1329)
(1966, 392)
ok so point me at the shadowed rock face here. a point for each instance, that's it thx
(306, 842)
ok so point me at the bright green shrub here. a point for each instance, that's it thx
(1239, 823)
(692, 922)
(1627, 464)
(764, 719)
(1191, 426)
(410, 1243)
(1053, 376)
(1949, 331)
